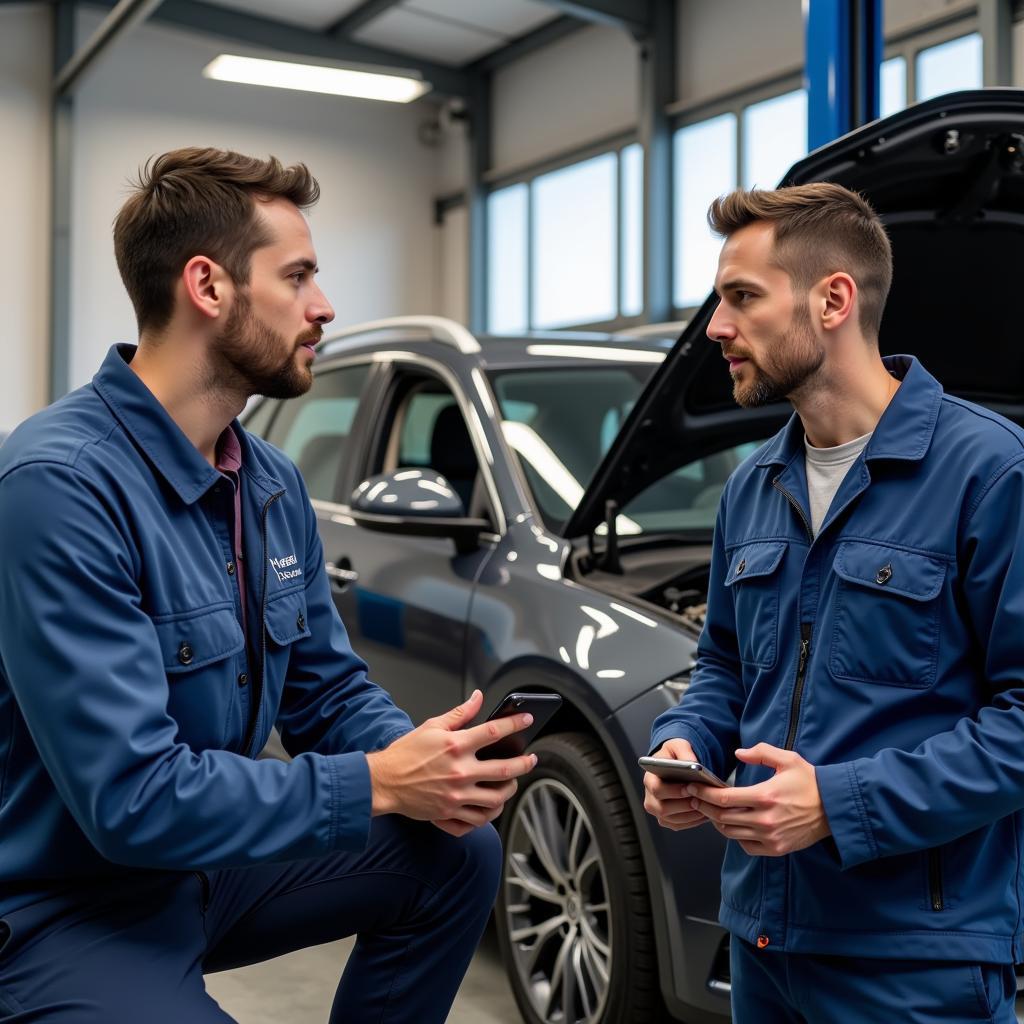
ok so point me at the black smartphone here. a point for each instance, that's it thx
(680, 771)
(541, 705)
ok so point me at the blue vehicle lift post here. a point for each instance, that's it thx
(844, 54)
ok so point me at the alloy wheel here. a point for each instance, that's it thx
(558, 914)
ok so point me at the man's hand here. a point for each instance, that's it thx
(776, 817)
(432, 773)
(670, 802)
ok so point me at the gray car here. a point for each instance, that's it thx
(536, 514)
(447, 473)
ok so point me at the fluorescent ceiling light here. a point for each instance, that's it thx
(315, 78)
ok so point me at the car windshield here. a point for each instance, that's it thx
(561, 421)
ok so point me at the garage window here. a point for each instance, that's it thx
(949, 67)
(705, 167)
(573, 244)
(507, 214)
(753, 142)
(893, 95)
(565, 245)
(774, 138)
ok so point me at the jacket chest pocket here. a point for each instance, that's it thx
(886, 623)
(198, 651)
(286, 618)
(753, 579)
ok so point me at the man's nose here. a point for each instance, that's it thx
(322, 310)
(719, 328)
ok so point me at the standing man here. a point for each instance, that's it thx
(862, 660)
(147, 647)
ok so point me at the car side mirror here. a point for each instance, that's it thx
(416, 502)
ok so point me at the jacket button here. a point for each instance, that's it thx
(242, 679)
(185, 654)
(884, 575)
(300, 622)
(762, 941)
(231, 568)
(741, 567)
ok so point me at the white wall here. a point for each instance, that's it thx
(725, 45)
(372, 227)
(566, 94)
(906, 15)
(24, 210)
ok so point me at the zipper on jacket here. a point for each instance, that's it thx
(798, 689)
(935, 879)
(796, 505)
(256, 696)
(805, 631)
(204, 886)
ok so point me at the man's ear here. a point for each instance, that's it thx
(837, 297)
(207, 287)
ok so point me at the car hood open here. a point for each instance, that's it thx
(947, 178)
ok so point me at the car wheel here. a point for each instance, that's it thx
(573, 912)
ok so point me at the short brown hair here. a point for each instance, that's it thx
(197, 201)
(820, 229)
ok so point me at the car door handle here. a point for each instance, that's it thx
(341, 576)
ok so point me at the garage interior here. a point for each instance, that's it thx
(551, 173)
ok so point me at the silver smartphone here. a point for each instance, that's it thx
(680, 771)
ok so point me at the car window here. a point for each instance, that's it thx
(313, 429)
(560, 422)
(687, 498)
(428, 430)
(421, 413)
(258, 420)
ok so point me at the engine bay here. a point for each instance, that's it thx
(669, 574)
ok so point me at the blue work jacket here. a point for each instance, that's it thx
(131, 707)
(889, 653)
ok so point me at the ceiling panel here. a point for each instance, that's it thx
(410, 31)
(507, 18)
(315, 15)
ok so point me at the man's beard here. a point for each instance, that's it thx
(249, 356)
(794, 359)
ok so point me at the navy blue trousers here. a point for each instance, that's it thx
(417, 899)
(795, 988)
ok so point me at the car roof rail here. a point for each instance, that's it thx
(408, 329)
(639, 332)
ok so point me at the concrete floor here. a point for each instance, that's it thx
(299, 988)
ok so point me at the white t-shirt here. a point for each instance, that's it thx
(826, 468)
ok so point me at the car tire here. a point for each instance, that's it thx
(573, 911)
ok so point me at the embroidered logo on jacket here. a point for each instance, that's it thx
(282, 566)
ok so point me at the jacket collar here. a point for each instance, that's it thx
(150, 426)
(903, 432)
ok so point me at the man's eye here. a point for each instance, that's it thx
(742, 296)
(298, 276)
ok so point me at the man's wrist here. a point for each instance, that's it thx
(382, 800)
